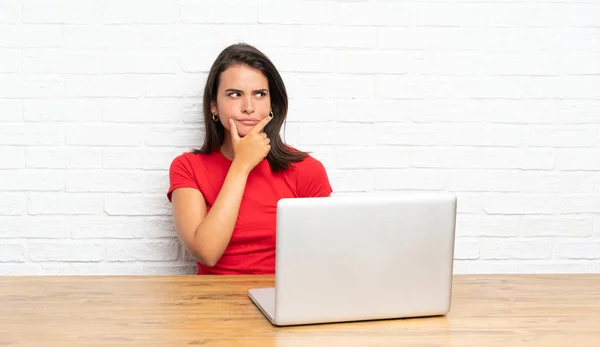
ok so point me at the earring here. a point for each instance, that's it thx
(215, 117)
(271, 114)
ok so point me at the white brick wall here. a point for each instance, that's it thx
(498, 102)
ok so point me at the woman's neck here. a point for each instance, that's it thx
(227, 148)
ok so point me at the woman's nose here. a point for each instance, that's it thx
(248, 105)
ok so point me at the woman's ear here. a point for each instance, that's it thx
(213, 107)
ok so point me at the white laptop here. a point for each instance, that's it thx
(361, 257)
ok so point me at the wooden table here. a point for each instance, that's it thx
(487, 310)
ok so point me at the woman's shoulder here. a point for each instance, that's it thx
(193, 159)
(311, 177)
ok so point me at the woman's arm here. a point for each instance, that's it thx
(206, 235)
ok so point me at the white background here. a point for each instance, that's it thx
(498, 101)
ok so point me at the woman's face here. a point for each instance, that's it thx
(243, 96)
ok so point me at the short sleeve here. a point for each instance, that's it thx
(312, 179)
(181, 175)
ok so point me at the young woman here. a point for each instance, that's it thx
(224, 195)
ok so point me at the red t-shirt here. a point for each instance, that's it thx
(251, 249)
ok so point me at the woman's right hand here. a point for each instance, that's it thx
(252, 148)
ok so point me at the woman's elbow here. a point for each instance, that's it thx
(208, 260)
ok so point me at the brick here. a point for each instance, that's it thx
(111, 227)
(311, 110)
(302, 60)
(466, 249)
(578, 250)
(31, 135)
(30, 86)
(571, 136)
(68, 251)
(31, 180)
(12, 157)
(489, 226)
(278, 36)
(138, 12)
(62, 111)
(515, 249)
(451, 87)
(12, 204)
(165, 36)
(290, 134)
(485, 266)
(396, 111)
(137, 205)
(339, 13)
(191, 113)
(315, 13)
(412, 179)
(136, 250)
(104, 86)
(449, 135)
(35, 227)
(61, 12)
(554, 267)
(116, 181)
(202, 13)
(335, 86)
(34, 35)
(338, 134)
(520, 204)
(162, 86)
(496, 111)
(336, 36)
(482, 180)
(139, 158)
(585, 64)
(10, 60)
(483, 158)
(487, 39)
(10, 11)
(579, 204)
(197, 60)
(546, 226)
(61, 61)
(63, 158)
(580, 159)
(375, 62)
(175, 136)
(557, 182)
(10, 111)
(105, 135)
(372, 157)
(13, 251)
(325, 154)
(64, 203)
(351, 180)
(142, 111)
(147, 62)
(580, 111)
(106, 36)
(508, 204)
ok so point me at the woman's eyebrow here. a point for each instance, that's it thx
(240, 92)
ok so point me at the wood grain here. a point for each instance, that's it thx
(487, 310)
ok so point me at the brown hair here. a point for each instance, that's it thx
(280, 156)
